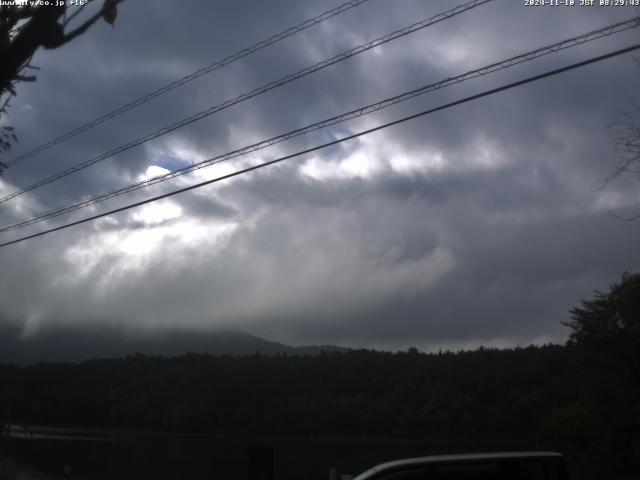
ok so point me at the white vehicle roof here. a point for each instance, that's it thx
(458, 458)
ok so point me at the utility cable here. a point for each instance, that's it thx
(258, 91)
(192, 76)
(374, 107)
(334, 142)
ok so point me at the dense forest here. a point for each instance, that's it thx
(582, 398)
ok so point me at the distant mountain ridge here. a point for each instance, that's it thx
(77, 344)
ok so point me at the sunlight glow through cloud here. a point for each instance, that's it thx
(158, 212)
(415, 222)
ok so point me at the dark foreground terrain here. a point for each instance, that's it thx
(164, 456)
(534, 397)
(582, 399)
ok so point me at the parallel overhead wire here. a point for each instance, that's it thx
(528, 56)
(253, 93)
(335, 142)
(192, 76)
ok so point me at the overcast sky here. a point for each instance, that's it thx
(481, 224)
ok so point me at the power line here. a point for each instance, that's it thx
(335, 142)
(192, 76)
(258, 91)
(528, 56)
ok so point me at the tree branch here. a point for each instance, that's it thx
(87, 24)
(73, 15)
(25, 78)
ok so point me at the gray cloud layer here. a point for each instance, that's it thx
(482, 224)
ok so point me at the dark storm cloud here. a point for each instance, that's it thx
(482, 224)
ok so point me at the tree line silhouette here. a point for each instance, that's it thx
(582, 398)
